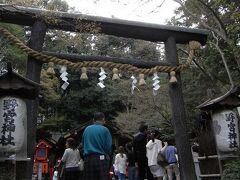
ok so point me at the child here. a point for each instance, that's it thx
(55, 174)
(121, 163)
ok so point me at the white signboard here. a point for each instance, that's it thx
(225, 124)
(13, 113)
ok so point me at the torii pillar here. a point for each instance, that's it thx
(38, 33)
(179, 116)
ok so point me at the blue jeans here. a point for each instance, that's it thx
(132, 173)
(121, 176)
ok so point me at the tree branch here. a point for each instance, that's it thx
(207, 74)
(201, 69)
(197, 18)
(217, 19)
(223, 59)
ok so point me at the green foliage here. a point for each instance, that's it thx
(221, 17)
(57, 5)
(50, 85)
(56, 123)
(145, 50)
(82, 98)
(50, 97)
(143, 106)
(207, 77)
(10, 53)
(166, 130)
(231, 170)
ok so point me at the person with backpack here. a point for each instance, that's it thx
(153, 148)
(170, 154)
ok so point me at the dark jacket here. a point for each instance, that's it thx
(139, 147)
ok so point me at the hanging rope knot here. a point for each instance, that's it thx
(141, 79)
(50, 69)
(84, 74)
(194, 45)
(173, 78)
(115, 74)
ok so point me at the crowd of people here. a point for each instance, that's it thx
(137, 160)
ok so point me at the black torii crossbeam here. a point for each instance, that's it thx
(170, 35)
(117, 27)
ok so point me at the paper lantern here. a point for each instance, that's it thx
(13, 114)
(225, 125)
(14, 91)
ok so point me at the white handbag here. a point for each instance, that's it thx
(81, 165)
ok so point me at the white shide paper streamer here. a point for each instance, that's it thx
(102, 77)
(63, 76)
(156, 81)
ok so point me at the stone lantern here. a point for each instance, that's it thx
(219, 135)
(224, 112)
(14, 90)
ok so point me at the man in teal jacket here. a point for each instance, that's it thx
(97, 146)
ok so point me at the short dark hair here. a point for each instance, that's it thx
(71, 143)
(98, 116)
(129, 146)
(121, 149)
(143, 127)
(170, 141)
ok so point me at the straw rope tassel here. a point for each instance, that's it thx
(173, 78)
(84, 74)
(194, 45)
(141, 80)
(115, 74)
(50, 69)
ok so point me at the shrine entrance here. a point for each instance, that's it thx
(169, 35)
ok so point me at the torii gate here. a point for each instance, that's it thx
(151, 32)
